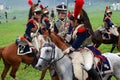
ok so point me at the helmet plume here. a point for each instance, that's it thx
(78, 7)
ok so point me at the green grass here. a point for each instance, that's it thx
(11, 30)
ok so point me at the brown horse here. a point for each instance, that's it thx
(98, 40)
(11, 59)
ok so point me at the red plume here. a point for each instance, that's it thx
(78, 7)
(41, 6)
(30, 2)
(107, 7)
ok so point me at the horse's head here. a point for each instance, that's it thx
(114, 31)
(47, 56)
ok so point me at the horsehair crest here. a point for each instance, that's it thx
(30, 2)
(78, 7)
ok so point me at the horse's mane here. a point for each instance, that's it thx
(59, 38)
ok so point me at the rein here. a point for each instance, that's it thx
(52, 61)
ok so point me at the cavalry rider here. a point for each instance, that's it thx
(32, 27)
(80, 34)
(62, 25)
(107, 20)
(45, 18)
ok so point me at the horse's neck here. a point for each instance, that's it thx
(63, 66)
(62, 45)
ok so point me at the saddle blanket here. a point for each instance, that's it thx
(22, 50)
(105, 67)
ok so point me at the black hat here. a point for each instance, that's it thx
(62, 8)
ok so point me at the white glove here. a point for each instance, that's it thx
(68, 50)
(68, 37)
(33, 35)
(61, 34)
(113, 26)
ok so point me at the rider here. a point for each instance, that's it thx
(107, 20)
(45, 18)
(32, 27)
(80, 34)
(62, 26)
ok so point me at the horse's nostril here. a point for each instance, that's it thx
(38, 66)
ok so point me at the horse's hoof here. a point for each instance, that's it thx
(16, 78)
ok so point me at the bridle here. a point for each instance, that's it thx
(52, 61)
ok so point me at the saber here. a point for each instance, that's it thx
(38, 1)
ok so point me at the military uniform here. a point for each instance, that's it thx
(62, 26)
(107, 20)
(80, 34)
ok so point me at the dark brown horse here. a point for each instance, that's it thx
(98, 39)
(96, 35)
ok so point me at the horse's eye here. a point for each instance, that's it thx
(47, 51)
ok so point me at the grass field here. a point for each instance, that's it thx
(11, 30)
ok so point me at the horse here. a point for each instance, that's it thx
(13, 60)
(64, 46)
(97, 34)
(87, 24)
(53, 56)
(119, 42)
(97, 38)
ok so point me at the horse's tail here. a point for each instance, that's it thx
(1, 50)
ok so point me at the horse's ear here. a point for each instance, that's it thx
(30, 2)
(49, 39)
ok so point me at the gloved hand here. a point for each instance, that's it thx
(61, 34)
(33, 35)
(68, 37)
(69, 50)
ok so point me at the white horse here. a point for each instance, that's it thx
(51, 55)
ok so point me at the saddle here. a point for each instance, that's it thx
(24, 46)
(106, 35)
(103, 66)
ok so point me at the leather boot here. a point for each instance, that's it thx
(93, 74)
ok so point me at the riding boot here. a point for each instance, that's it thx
(35, 58)
(93, 74)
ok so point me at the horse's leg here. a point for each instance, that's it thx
(6, 69)
(113, 47)
(55, 77)
(14, 70)
(43, 74)
(97, 45)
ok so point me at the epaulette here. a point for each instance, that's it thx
(31, 20)
(81, 29)
(47, 19)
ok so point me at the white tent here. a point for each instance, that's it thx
(1, 7)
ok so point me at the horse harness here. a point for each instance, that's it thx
(52, 61)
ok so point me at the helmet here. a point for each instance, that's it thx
(37, 10)
(45, 10)
(108, 11)
(62, 8)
